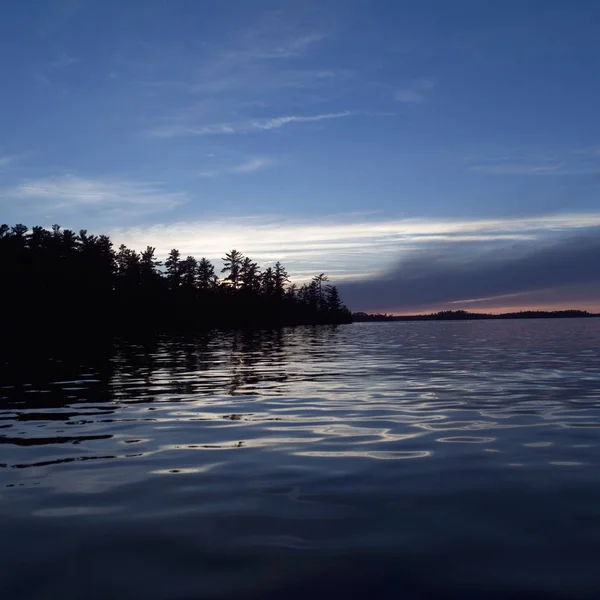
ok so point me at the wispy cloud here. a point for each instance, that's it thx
(346, 248)
(558, 297)
(7, 160)
(69, 192)
(249, 126)
(415, 92)
(517, 169)
(252, 165)
(589, 151)
(273, 35)
(278, 122)
(251, 61)
(272, 62)
(556, 162)
(488, 298)
(291, 47)
(254, 80)
(63, 61)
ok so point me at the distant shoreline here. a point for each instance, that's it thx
(461, 315)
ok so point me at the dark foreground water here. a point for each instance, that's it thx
(406, 460)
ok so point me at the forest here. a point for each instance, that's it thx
(58, 282)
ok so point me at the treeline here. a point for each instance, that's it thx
(57, 280)
(463, 315)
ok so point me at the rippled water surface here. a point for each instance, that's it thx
(407, 460)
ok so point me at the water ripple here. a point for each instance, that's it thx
(321, 440)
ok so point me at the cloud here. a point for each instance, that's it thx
(6, 160)
(251, 61)
(239, 127)
(274, 35)
(252, 81)
(416, 91)
(445, 275)
(289, 48)
(582, 296)
(347, 248)
(63, 61)
(552, 162)
(270, 62)
(278, 122)
(252, 165)
(589, 151)
(517, 169)
(70, 192)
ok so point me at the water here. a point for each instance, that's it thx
(370, 460)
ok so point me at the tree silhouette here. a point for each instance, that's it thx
(319, 280)
(281, 278)
(232, 264)
(149, 264)
(250, 275)
(19, 231)
(77, 281)
(207, 279)
(189, 273)
(334, 302)
(173, 266)
(291, 292)
(268, 282)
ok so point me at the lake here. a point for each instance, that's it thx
(381, 460)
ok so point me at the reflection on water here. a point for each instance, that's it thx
(427, 458)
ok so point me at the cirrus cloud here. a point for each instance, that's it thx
(69, 192)
(248, 126)
(415, 92)
(251, 165)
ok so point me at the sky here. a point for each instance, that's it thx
(426, 155)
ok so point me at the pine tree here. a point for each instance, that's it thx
(232, 264)
(189, 269)
(281, 278)
(173, 267)
(250, 276)
(207, 279)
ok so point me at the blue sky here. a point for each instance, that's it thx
(347, 137)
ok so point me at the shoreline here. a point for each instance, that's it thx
(467, 316)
